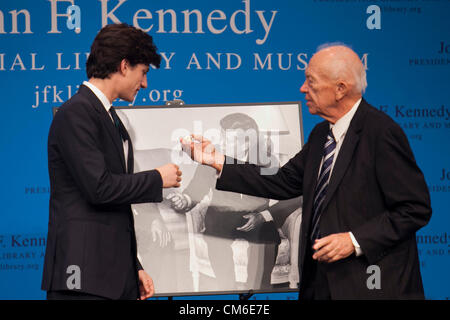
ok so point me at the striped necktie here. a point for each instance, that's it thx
(322, 183)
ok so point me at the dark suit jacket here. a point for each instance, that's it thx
(376, 191)
(90, 221)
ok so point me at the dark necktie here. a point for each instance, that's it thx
(119, 126)
(322, 183)
(123, 134)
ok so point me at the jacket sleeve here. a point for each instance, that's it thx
(405, 194)
(77, 134)
(139, 265)
(285, 183)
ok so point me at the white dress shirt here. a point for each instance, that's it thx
(339, 130)
(107, 104)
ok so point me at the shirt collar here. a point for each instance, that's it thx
(99, 94)
(341, 126)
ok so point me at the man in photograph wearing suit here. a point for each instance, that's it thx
(91, 243)
(364, 196)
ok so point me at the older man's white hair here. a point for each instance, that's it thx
(341, 67)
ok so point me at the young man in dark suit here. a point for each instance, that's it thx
(91, 244)
(364, 196)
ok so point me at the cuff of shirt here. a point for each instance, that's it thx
(358, 250)
(266, 215)
(188, 199)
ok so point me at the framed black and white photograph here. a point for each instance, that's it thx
(200, 240)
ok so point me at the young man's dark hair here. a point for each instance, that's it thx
(116, 42)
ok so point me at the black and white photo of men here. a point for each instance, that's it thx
(199, 239)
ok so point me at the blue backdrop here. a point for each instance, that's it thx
(230, 51)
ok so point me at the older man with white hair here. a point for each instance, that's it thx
(364, 196)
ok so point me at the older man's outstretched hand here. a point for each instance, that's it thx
(202, 151)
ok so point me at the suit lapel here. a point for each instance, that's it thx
(130, 160)
(106, 120)
(112, 130)
(345, 155)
